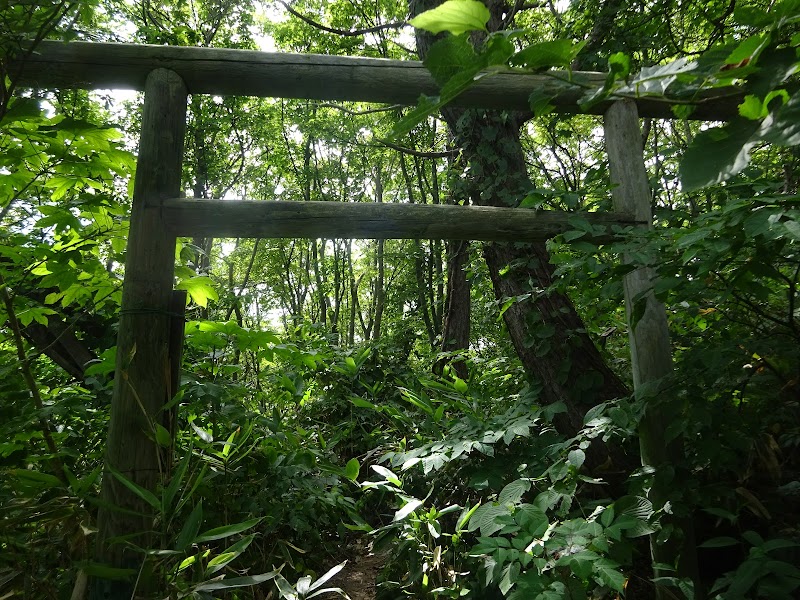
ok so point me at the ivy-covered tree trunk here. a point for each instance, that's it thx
(547, 333)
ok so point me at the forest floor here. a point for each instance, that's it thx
(358, 577)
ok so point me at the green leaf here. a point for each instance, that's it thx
(619, 64)
(719, 542)
(141, 492)
(190, 528)
(285, 588)
(352, 469)
(228, 555)
(234, 582)
(407, 509)
(202, 433)
(361, 403)
(748, 49)
(330, 574)
(485, 519)
(163, 437)
(576, 458)
(782, 127)
(387, 475)
(227, 530)
(200, 289)
(752, 108)
(718, 154)
(541, 104)
(608, 572)
(105, 572)
(168, 495)
(543, 55)
(449, 56)
(44, 480)
(465, 516)
(455, 16)
(514, 491)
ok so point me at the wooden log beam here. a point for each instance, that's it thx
(318, 77)
(142, 382)
(651, 353)
(370, 220)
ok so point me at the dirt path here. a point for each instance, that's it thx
(358, 577)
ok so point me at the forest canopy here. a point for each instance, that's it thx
(386, 418)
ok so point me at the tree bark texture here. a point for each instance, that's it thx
(545, 329)
(456, 328)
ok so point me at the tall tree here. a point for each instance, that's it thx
(546, 331)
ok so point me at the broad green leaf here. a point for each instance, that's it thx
(455, 16)
(609, 574)
(200, 289)
(752, 108)
(782, 127)
(541, 104)
(543, 55)
(449, 56)
(576, 458)
(407, 509)
(227, 530)
(386, 474)
(718, 154)
(748, 49)
(619, 63)
(352, 469)
(485, 519)
(514, 491)
(163, 437)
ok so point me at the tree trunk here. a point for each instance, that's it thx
(547, 333)
(456, 328)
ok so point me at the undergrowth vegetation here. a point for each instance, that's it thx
(411, 399)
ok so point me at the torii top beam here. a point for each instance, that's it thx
(224, 72)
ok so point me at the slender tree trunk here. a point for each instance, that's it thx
(456, 328)
(351, 325)
(322, 299)
(419, 266)
(380, 292)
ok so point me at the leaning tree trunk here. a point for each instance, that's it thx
(546, 331)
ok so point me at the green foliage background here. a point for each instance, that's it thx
(317, 410)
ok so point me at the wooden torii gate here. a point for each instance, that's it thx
(144, 383)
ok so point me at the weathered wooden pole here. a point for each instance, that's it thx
(142, 381)
(651, 354)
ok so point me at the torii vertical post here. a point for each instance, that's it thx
(651, 354)
(142, 380)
